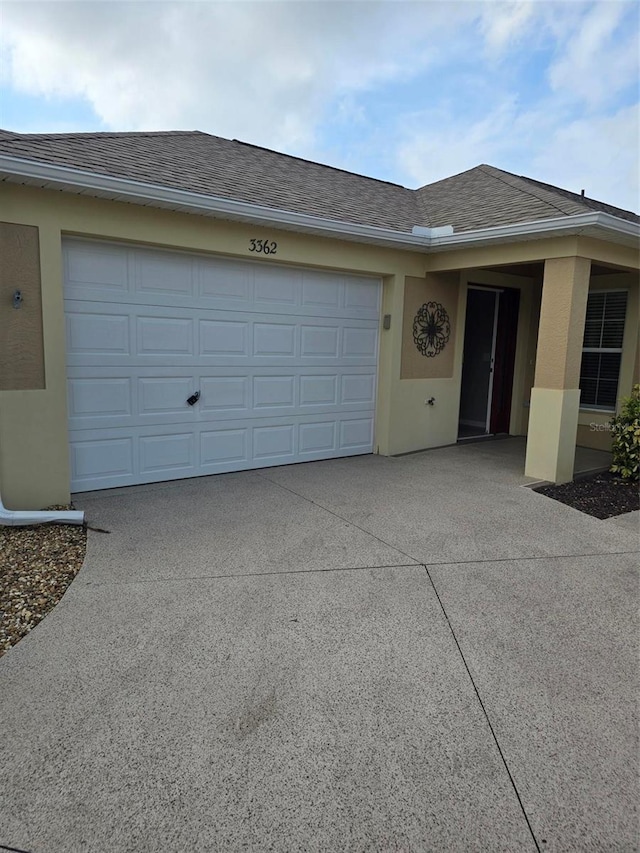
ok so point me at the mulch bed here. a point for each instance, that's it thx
(602, 495)
(37, 564)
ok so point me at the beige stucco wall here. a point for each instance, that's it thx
(592, 431)
(532, 351)
(534, 250)
(597, 251)
(442, 288)
(437, 425)
(34, 467)
(594, 434)
(557, 423)
(420, 425)
(21, 349)
(551, 440)
(562, 313)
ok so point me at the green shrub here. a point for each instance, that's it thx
(626, 437)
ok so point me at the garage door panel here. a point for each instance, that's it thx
(356, 434)
(101, 270)
(364, 296)
(224, 447)
(318, 390)
(359, 388)
(274, 443)
(162, 395)
(102, 462)
(317, 438)
(104, 271)
(274, 392)
(164, 336)
(226, 338)
(98, 334)
(320, 290)
(224, 394)
(222, 281)
(96, 402)
(156, 332)
(229, 304)
(358, 342)
(156, 453)
(319, 342)
(168, 453)
(100, 398)
(278, 286)
(285, 361)
(273, 340)
(164, 273)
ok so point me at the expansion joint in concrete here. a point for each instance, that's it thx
(343, 518)
(484, 709)
(232, 575)
(533, 558)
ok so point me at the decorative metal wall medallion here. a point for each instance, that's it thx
(431, 329)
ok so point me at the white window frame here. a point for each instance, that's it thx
(593, 407)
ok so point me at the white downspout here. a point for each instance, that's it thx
(17, 518)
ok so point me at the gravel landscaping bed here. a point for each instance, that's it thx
(602, 495)
(37, 564)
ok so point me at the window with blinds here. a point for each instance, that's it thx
(602, 349)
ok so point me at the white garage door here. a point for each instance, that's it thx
(284, 360)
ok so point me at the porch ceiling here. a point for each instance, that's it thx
(534, 270)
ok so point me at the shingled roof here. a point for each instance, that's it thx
(214, 166)
(210, 165)
(485, 196)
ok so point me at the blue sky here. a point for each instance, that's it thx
(409, 92)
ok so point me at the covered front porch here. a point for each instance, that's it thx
(547, 348)
(508, 453)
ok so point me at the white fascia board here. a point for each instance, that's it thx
(136, 191)
(434, 239)
(537, 229)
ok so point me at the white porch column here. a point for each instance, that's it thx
(555, 397)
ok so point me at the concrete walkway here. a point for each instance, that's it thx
(370, 654)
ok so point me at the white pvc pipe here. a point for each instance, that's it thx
(17, 518)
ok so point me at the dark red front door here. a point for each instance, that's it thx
(504, 362)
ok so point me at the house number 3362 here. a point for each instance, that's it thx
(264, 247)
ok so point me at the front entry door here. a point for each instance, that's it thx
(477, 366)
(488, 361)
(504, 358)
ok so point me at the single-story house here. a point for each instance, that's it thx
(177, 304)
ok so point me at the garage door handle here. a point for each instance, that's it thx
(193, 398)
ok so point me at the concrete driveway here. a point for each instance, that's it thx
(412, 654)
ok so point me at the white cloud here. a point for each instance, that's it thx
(261, 71)
(503, 29)
(287, 74)
(596, 153)
(600, 58)
(578, 132)
(446, 146)
(599, 155)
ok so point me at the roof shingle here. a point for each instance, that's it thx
(486, 197)
(210, 165)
